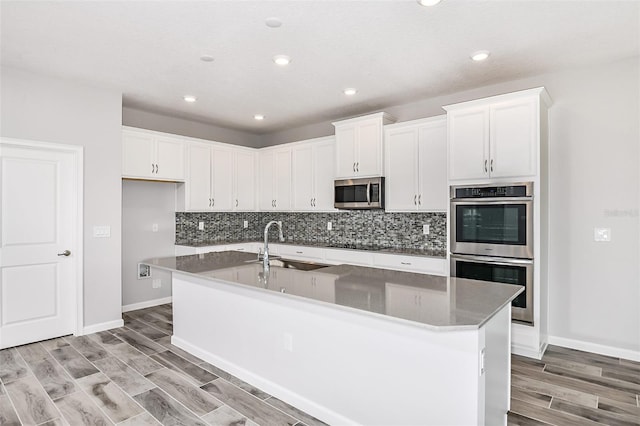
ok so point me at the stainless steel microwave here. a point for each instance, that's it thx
(359, 194)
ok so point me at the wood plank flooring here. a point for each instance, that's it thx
(134, 376)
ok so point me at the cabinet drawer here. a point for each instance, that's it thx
(300, 252)
(423, 265)
(351, 257)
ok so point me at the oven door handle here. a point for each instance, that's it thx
(492, 200)
(492, 260)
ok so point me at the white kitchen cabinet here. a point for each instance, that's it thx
(151, 155)
(497, 137)
(415, 164)
(219, 178)
(316, 286)
(419, 264)
(359, 145)
(313, 175)
(275, 179)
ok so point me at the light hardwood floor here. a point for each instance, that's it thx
(134, 376)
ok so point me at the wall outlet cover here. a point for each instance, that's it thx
(101, 231)
(201, 226)
(602, 234)
(246, 224)
(425, 229)
(156, 283)
(154, 227)
(329, 226)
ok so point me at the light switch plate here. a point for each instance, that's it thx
(602, 234)
(102, 231)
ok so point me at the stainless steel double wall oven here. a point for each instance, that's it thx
(492, 238)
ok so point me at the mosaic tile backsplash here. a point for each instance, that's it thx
(360, 229)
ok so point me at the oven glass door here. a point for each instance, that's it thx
(520, 273)
(496, 228)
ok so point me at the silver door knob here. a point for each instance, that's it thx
(64, 253)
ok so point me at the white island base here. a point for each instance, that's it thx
(344, 366)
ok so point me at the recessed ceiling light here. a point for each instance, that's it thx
(480, 55)
(350, 91)
(190, 98)
(281, 60)
(206, 58)
(259, 117)
(428, 2)
(273, 22)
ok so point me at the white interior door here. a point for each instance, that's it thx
(38, 282)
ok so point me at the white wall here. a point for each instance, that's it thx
(145, 204)
(179, 126)
(48, 109)
(594, 288)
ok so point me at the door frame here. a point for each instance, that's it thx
(78, 211)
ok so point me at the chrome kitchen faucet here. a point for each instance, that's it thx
(265, 258)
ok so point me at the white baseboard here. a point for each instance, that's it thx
(147, 304)
(595, 348)
(284, 394)
(102, 326)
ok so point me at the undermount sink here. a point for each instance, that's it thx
(300, 265)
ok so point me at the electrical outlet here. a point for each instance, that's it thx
(201, 226)
(425, 229)
(156, 283)
(329, 226)
(287, 342)
(245, 224)
(102, 231)
(602, 234)
(154, 227)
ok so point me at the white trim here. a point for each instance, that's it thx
(146, 304)
(78, 232)
(595, 348)
(102, 327)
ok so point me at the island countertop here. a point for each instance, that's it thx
(433, 302)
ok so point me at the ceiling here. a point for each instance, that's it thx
(392, 52)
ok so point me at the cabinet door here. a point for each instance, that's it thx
(345, 151)
(137, 155)
(324, 175)
(514, 132)
(401, 170)
(170, 159)
(369, 148)
(468, 143)
(402, 301)
(198, 183)
(245, 181)
(432, 166)
(324, 287)
(302, 184)
(282, 173)
(222, 178)
(265, 182)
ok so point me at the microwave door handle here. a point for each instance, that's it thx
(368, 193)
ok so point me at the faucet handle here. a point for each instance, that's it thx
(259, 252)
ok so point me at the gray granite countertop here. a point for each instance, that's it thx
(438, 303)
(389, 250)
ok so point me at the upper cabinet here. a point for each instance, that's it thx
(219, 178)
(313, 174)
(416, 165)
(359, 145)
(497, 137)
(275, 179)
(151, 155)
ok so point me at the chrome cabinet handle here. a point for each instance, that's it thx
(156, 168)
(299, 252)
(357, 166)
(213, 202)
(311, 202)
(314, 202)
(420, 199)
(153, 168)
(209, 202)
(354, 167)
(415, 197)
(485, 166)
(236, 202)
(64, 253)
(492, 164)
(405, 263)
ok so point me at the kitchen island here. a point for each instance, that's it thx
(350, 344)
